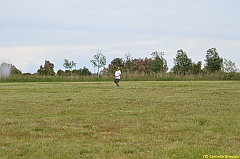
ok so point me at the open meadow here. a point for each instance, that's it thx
(158, 119)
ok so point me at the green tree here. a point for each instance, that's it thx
(116, 62)
(99, 60)
(182, 64)
(213, 61)
(229, 66)
(158, 63)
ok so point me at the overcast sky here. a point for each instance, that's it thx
(32, 31)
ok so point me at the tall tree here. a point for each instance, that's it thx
(213, 61)
(99, 60)
(158, 63)
(182, 64)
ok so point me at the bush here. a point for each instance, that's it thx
(60, 73)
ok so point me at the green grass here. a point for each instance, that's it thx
(137, 120)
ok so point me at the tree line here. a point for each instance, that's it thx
(183, 65)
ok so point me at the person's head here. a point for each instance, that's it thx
(118, 68)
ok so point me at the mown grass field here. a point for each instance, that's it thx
(137, 120)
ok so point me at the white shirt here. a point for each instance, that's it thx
(117, 74)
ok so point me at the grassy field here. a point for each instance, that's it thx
(137, 120)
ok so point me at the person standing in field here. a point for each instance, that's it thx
(118, 75)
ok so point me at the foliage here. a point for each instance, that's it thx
(68, 72)
(128, 62)
(75, 72)
(158, 64)
(60, 73)
(99, 60)
(116, 62)
(81, 72)
(229, 66)
(182, 64)
(147, 65)
(69, 64)
(213, 61)
(141, 65)
(15, 70)
(196, 68)
(47, 69)
(84, 72)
